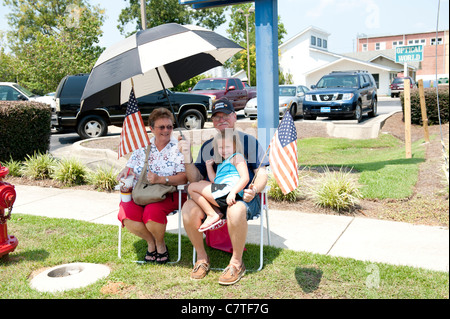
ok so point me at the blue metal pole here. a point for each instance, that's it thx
(266, 18)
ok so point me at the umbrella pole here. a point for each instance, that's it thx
(170, 104)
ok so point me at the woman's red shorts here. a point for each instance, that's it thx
(156, 212)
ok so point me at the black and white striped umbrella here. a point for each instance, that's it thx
(163, 56)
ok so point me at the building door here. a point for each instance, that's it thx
(376, 77)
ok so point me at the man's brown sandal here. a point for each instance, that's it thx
(201, 269)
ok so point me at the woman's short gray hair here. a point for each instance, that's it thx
(160, 113)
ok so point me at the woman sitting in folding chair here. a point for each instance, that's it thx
(165, 166)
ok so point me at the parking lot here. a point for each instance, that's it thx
(321, 127)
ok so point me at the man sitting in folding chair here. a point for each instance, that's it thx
(224, 117)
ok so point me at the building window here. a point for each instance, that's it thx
(325, 44)
(417, 41)
(380, 46)
(433, 41)
(313, 40)
(319, 42)
(396, 43)
(364, 47)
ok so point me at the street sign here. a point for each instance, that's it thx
(203, 4)
(409, 53)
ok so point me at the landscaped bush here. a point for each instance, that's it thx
(24, 129)
(67, 171)
(104, 178)
(336, 190)
(14, 167)
(276, 194)
(431, 105)
(70, 172)
(38, 166)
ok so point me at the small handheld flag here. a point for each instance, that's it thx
(283, 155)
(134, 134)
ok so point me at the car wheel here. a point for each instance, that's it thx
(191, 120)
(293, 110)
(374, 107)
(92, 126)
(358, 112)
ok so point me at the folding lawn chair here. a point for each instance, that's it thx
(181, 189)
(264, 208)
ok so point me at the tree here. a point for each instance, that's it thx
(237, 32)
(169, 11)
(51, 39)
(7, 73)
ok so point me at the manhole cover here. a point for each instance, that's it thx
(69, 276)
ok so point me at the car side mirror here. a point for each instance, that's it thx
(231, 88)
(365, 85)
(190, 89)
(20, 97)
(300, 94)
(313, 87)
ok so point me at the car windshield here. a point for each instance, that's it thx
(332, 81)
(398, 80)
(210, 85)
(28, 93)
(288, 91)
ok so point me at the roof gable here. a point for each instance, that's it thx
(303, 33)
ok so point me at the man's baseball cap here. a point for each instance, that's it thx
(224, 106)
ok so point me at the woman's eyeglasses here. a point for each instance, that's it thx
(162, 127)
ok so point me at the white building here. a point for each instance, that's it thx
(306, 57)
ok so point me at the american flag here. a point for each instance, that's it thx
(134, 134)
(283, 155)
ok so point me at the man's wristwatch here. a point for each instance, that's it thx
(167, 180)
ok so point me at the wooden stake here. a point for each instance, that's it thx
(423, 108)
(407, 94)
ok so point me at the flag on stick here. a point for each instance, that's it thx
(283, 155)
(134, 135)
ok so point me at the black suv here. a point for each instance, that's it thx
(191, 109)
(342, 94)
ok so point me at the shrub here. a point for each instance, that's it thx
(104, 178)
(276, 194)
(431, 105)
(336, 190)
(38, 166)
(70, 172)
(24, 129)
(14, 167)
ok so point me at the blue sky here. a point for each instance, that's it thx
(343, 19)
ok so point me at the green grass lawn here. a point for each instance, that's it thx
(47, 242)
(383, 170)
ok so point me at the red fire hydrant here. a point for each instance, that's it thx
(7, 199)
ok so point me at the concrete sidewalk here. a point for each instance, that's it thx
(354, 237)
